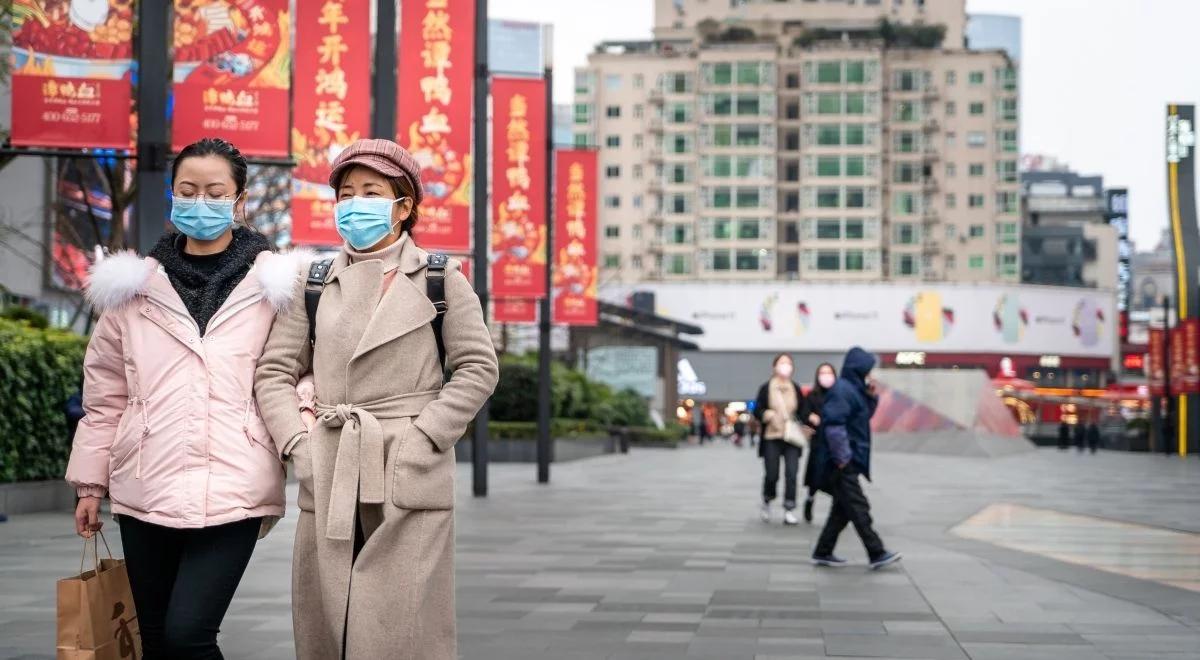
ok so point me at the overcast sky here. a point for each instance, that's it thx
(1096, 76)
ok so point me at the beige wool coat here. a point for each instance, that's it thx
(382, 450)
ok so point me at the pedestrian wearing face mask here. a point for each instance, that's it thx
(846, 454)
(171, 433)
(779, 405)
(814, 401)
(373, 565)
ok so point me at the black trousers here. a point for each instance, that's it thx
(850, 506)
(772, 450)
(183, 581)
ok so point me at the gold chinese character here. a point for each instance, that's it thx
(50, 88)
(436, 26)
(576, 228)
(518, 177)
(436, 88)
(436, 55)
(331, 82)
(435, 4)
(331, 115)
(256, 14)
(210, 96)
(227, 97)
(263, 30)
(332, 16)
(331, 50)
(518, 152)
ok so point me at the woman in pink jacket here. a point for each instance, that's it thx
(172, 434)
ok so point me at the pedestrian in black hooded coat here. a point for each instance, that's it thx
(823, 380)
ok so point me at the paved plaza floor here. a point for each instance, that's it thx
(660, 554)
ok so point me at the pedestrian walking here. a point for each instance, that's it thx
(1064, 436)
(1080, 435)
(845, 454)
(1093, 437)
(172, 434)
(373, 566)
(739, 431)
(814, 401)
(778, 407)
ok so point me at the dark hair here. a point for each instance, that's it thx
(401, 187)
(817, 374)
(780, 357)
(215, 147)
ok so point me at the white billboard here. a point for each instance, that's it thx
(943, 318)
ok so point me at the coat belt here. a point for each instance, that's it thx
(358, 471)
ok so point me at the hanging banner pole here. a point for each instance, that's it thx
(482, 233)
(545, 446)
(383, 83)
(154, 70)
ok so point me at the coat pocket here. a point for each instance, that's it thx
(255, 429)
(423, 477)
(301, 458)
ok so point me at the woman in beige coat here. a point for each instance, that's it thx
(373, 569)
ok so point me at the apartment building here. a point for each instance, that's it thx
(811, 139)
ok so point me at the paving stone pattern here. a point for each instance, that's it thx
(660, 554)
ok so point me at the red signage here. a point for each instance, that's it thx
(518, 187)
(437, 55)
(1185, 365)
(333, 67)
(233, 73)
(575, 237)
(1178, 364)
(515, 310)
(1156, 361)
(71, 73)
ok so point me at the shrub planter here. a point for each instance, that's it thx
(524, 450)
(35, 497)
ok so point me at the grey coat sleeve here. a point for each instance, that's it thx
(286, 357)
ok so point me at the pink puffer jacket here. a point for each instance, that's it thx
(172, 431)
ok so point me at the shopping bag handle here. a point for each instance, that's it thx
(95, 551)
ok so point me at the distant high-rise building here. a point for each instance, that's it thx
(821, 140)
(1066, 239)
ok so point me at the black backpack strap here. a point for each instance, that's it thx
(317, 272)
(435, 289)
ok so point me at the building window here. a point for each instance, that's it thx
(612, 111)
(856, 229)
(747, 105)
(977, 109)
(951, 232)
(636, 261)
(637, 232)
(906, 264)
(792, 81)
(1006, 265)
(1007, 140)
(748, 136)
(680, 144)
(829, 198)
(612, 202)
(612, 82)
(612, 171)
(951, 108)
(722, 73)
(679, 83)
(976, 231)
(951, 78)
(975, 201)
(747, 198)
(856, 134)
(639, 81)
(639, 111)
(904, 203)
(791, 233)
(637, 171)
(856, 104)
(905, 172)
(1006, 109)
(638, 141)
(829, 260)
(612, 261)
(828, 229)
(1006, 171)
(749, 230)
(829, 104)
(749, 259)
(951, 170)
(582, 139)
(612, 141)
(908, 80)
(907, 111)
(722, 229)
(907, 142)
(1006, 79)
(829, 166)
(679, 264)
(975, 262)
(829, 135)
(951, 139)
(975, 78)
(637, 201)
(748, 73)
(855, 261)
(950, 262)
(583, 113)
(721, 260)
(612, 231)
(951, 201)
(679, 234)
(829, 72)
(976, 139)
(856, 198)
(975, 169)
(680, 113)
(906, 233)
(1007, 202)
(1007, 233)
(856, 71)
(856, 166)
(791, 264)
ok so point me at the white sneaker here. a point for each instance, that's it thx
(789, 518)
(765, 513)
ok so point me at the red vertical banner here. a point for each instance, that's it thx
(518, 187)
(331, 109)
(515, 310)
(71, 73)
(1190, 368)
(1156, 361)
(575, 217)
(233, 68)
(437, 58)
(1178, 360)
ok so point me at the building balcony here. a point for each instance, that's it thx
(931, 246)
(656, 125)
(654, 155)
(655, 185)
(930, 185)
(930, 217)
(930, 92)
(656, 95)
(931, 125)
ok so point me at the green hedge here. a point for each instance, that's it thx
(39, 370)
(573, 396)
(561, 429)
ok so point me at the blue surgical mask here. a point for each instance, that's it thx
(364, 221)
(200, 218)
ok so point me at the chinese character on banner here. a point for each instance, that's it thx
(332, 106)
(1189, 378)
(434, 92)
(1178, 360)
(233, 74)
(575, 237)
(71, 76)
(1156, 361)
(518, 188)
(515, 310)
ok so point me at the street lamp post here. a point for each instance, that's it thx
(479, 436)
(153, 145)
